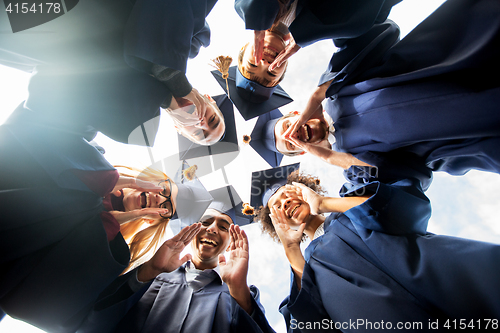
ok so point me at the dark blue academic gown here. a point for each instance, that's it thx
(316, 19)
(89, 34)
(429, 94)
(56, 259)
(166, 33)
(82, 81)
(171, 305)
(376, 263)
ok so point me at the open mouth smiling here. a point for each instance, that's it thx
(145, 200)
(306, 133)
(269, 53)
(291, 212)
(208, 241)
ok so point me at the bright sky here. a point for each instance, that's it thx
(462, 206)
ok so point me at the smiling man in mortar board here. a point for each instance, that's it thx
(209, 293)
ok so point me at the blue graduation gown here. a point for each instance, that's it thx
(166, 33)
(114, 103)
(88, 34)
(82, 81)
(376, 262)
(427, 94)
(56, 259)
(316, 19)
(171, 305)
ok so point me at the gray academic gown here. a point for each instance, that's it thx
(171, 305)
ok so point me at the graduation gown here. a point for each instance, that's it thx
(376, 265)
(316, 20)
(171, 305)
(80, 65)
(427, 94)
(56, 259)
(166, 33)
(89, 34)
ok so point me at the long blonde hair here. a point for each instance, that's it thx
(143, 242)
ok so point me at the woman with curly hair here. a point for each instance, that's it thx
(371, 261)
(264, 214)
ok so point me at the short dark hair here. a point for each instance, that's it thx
(259, 80)
(262, 214)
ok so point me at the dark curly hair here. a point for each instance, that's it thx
(262, 214)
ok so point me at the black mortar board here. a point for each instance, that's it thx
(228, 143)
(263, 140)
(266, 182)
(227, 201)
(250, 98)
(192, 200)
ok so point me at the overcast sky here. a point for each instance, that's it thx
(462, 206)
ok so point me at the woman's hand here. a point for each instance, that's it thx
(130, 182)
(291, 242)
(125, 217)
(313, 199)
(288, 236)
(166, 259)
(286, 53)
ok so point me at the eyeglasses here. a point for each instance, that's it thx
(167, 204)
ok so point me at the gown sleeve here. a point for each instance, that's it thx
(356, 54)
(242, 322)
(306, 303)
(257, 14)
(397, 207)
(113, 303)
(166, 33)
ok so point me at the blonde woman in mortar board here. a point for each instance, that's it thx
(57, 233)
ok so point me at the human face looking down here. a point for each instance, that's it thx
(212, 240)
(274, 43)
(295, 210)
(207, 131)
(313, 131)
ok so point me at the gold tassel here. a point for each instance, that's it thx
(189, 173)
(222, 64)
(247, 209)
(246, 139)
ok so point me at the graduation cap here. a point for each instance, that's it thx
(266, 182)
(263, 140)
(192, 199)
(227, 201)
(229, 142)
(251, 98)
